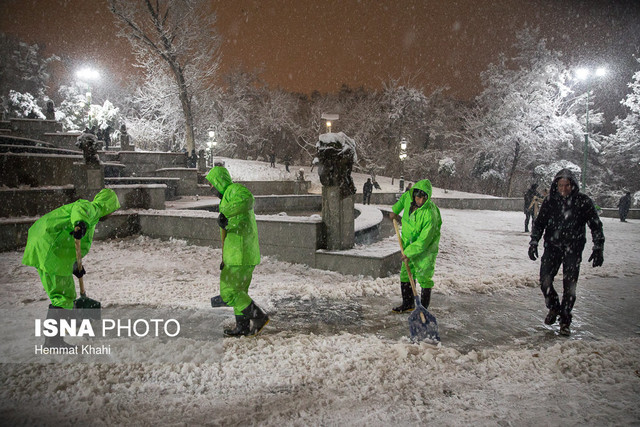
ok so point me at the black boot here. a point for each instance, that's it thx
(568, 300)
(241, 329)
(425, 297)
(407, 299)
(552, 315)
(258, 316)
(56, 313)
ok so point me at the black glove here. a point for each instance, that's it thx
(80, 230)
(597, 257)
(533, 251)
(221, 265)
(222, 221)
(77, 273)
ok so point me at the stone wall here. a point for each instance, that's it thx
(265, 188)
(489, 203)
(187, 179)
(66, 140)
(36, 170)
(33, 128)
(140, 163)
(34, 201)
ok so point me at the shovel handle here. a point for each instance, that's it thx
(406, 264)
(79, 263)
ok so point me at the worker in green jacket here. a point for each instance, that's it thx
(51, 248)
(421, 223)
(240, 252)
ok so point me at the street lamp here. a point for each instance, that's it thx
(403, 156)
(88, 75)
(584, 74)
(328, 126)
(212, 143)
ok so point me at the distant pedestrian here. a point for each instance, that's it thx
(537, 202)
(287, 162)
(367, 189)
(623, 206)
(528, 209)
(562, 218)
(272, 159)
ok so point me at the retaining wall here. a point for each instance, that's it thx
(36, 170)
(141, 163)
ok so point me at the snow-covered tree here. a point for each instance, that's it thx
(23, 69)
(178, 38)
(447, 169)
(622, 151)
(526, 113)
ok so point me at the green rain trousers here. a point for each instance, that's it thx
(61, 289)
(234, 286)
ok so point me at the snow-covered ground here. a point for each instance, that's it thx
(334, 354)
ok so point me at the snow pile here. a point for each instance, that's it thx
(360, 368)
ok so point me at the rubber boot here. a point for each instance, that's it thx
(241, 329)
(568, 300)
(56, 313)
(552, 315)
(258, 317)
(407, 299)
(425, 297)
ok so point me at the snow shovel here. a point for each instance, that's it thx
(422, 324)
(87, 308)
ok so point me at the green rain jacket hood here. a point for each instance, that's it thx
(50, 246)
(241, 245)
(420, 231)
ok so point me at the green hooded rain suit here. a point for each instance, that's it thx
(420, 235)
(241, 250)
(51, 247)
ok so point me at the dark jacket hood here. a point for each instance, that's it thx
(564, 173)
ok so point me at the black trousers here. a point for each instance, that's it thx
(569, 257)
(528, 214)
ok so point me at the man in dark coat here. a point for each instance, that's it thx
(623, 206)
(367, 189)
(562, 218)
(528, 208)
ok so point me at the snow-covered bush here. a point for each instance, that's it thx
(24, 105)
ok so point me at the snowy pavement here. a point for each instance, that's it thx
(334, 354)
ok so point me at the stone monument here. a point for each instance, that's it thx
(125, 139)
(88, 175)
(50, 112)
(336, 153)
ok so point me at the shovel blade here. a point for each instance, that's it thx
(87, 308)
(423, 325)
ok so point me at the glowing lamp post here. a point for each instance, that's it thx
(328, 126)
(403, 156)
(584, 74)
(88, 75)
(212, 144)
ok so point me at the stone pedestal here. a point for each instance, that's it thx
(125, 142)
(88, 180)
(337, 215)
